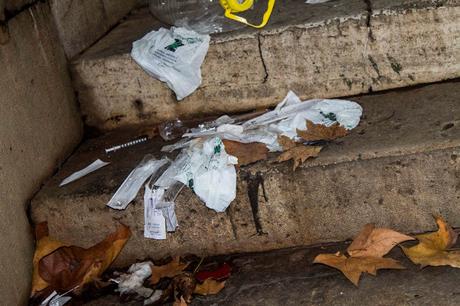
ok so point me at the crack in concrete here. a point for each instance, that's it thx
(371, 39)
(369, 19)
(262, 58)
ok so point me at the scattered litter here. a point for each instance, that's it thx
(55, 299)
(171, 130)
(210, 172)
(289, 116)
(206, 167)
(154, 221)
(125, 145)
(79, 174)
(130, 187)
(173, 56)
(133, 280)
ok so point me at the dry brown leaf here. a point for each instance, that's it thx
(247, 153)
(71, 266)
(175, 267)
(209, 287)
(299, 154)
(353, 267)
(316, 132)
(286, 142)
(375, 242)
(433, 247)
(180, 302)
(45, 246)
(183, 285)
(444, 238)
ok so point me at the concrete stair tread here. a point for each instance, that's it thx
(288, 277)
(402, 156)
(339, 48)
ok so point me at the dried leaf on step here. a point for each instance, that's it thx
(442, 239)
(286, 142)
(353, 267)
(71, 266)
(180, 302)
(184, 286)
(209, 287)
(247, 153)
(299, 154)
(375, 242)
(316, 132)
(433, 248)
(175, 267)
(44, 246)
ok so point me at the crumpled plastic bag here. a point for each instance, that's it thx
(173, 56)
(208, 170)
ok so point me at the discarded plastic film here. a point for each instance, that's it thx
(55, 299)
(130, 187)
(173, 56)
(133, 281)
(289, 116)
(79, 174)
(210, 172)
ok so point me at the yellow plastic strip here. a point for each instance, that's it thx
(267, 14)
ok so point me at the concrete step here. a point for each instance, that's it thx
(339, 48)
(288, 277)
(397, 169)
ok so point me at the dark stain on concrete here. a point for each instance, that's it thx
(116, 118)
(374, 65)
(394, 64)
(254, 183)
(141, 114)
(447, 126)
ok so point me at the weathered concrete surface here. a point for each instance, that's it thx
(400, 166)
(338, 48)
(288, 277)
(40, 126)
(82, 22)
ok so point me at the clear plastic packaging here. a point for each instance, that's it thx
(172, 129)
(130, 187)
(202, 16)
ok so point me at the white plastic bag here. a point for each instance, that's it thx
(130, 187)
(173, 56)
(210, 172)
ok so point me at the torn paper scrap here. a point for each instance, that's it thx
(79, 174)
(130, 187)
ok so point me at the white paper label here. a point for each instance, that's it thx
(154, 221)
